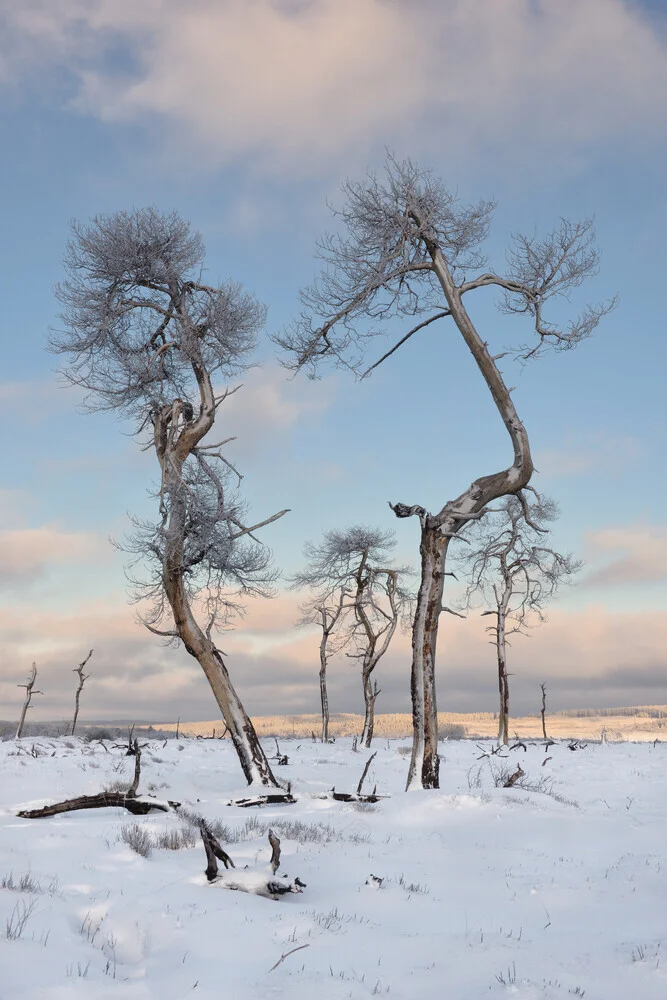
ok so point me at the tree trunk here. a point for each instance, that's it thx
(503, 687)
(370, 694)
(324, 697)
(544, 710)
(252, 758)
(425, 763)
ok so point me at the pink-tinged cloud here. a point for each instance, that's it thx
(592, 657)
(630, 554)
(28, 553)
(291, 83)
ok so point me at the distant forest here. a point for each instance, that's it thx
(646, 711)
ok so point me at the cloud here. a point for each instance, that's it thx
(632, 554)
(290, 83)
(26, 554)
(589, 658)
(270, 404)
(589, 451)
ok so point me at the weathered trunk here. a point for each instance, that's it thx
(28, 697)
(544, 710)
(425, 763)
(324, 697)
(252, 758)
(503, 687)
(370, 694)
(436, 530)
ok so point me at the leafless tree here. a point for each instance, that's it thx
(360, 594)
(146, 338)
(407, 247)
(510, 567)
(29, 692)
(325, 610)
(82, 680)
(543, 710)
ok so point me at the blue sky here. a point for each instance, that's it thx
(245, 117)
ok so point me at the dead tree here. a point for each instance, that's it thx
(82, 679)
(268, 884)
(362, 599)
(509, 566)
(147, 339)
(326, 614)
(407, 247)
(138, 805)
(543, 710)
(29, 692)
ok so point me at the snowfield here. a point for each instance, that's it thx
(549, 891)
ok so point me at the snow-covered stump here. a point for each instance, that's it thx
(254, 880)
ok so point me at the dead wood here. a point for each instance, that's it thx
(519, 744)
(271, 799)
(513, 778)
(275, 851)
(365, 771)
(287, 954)
(82, 680)
(29, 692)
(137, 806)
(246, 880)
(355, 797)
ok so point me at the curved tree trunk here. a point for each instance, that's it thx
(436, 530)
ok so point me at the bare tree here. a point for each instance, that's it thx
(543, 710)
(146, 338)
(359, 596)
(407, 247)
(510, 567)
(82, 680)
(325, 610)
(29, 692)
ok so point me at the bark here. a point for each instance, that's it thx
(371, 691)
(436, 531)
(425, 763)
(324, 696)
(503, 685)
(544, 710)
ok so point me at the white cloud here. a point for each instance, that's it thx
(293, 83)
(630, 554)
(28, 553)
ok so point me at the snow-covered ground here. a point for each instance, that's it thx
(547, 893)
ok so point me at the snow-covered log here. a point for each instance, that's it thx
(137, 805)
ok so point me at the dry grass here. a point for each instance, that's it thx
(476, 725)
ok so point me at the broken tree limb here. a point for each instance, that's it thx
(513, 778)
(365, 771)
(287, 954)
(82, 680)
(255, 881)
(271, 799)
(29, 692)
(138, 806)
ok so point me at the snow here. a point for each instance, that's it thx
(540, 894)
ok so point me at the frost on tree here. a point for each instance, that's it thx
(147, 339)
(407, 248)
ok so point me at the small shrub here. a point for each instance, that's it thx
(138, 838)
(452, 731)
(15, 924)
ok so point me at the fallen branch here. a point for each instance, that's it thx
(255, 881)
(138, 806)
(287, 954)
(271, 799)
(365, 772)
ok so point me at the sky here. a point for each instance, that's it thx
(246, 116)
